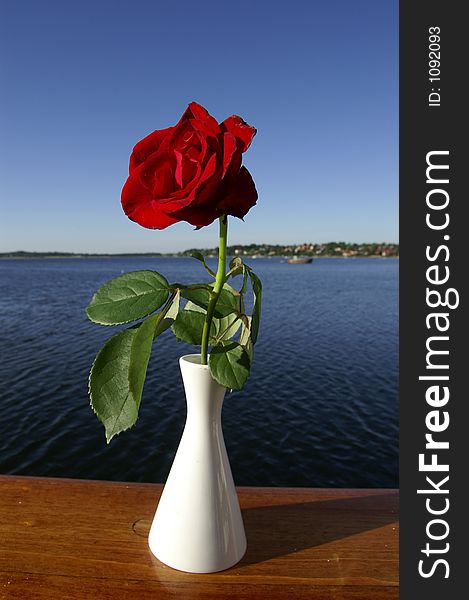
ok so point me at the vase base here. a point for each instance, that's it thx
(186, 567)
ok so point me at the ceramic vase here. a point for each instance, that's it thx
(198, 526)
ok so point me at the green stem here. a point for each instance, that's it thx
(219, 282)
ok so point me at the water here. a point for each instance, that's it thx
(320, 408)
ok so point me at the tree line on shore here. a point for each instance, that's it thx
(343, 249)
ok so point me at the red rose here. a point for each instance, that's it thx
(190, 172)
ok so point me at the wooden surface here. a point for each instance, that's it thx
(73, 539)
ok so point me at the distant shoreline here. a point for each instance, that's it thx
(39, 256)
(251, 251)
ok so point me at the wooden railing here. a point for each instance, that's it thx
(73, 539)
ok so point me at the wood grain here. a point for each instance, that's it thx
(87, 539)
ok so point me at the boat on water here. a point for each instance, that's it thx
(300, 260)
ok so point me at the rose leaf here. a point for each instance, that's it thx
(117, 377)
(230, 365)
(189, 325)
(256, 311)
(128, 297)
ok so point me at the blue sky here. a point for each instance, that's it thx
(81, 82)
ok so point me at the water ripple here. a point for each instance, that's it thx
(319, 410)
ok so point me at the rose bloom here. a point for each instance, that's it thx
(190, 172)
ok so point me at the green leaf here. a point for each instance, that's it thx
(200, 295)
(189, 325)
(245, 337)
(236, 262)
(195, 307)
(222, 329)
(199, 256)
(117, 377)
(245, 282)
(230, 365)
(170, 316)
(128, 297)
(256, 312)
(227, 327)
(234, 292)
(228, 302)
(236, 267)
(245, 331)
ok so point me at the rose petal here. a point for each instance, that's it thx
(150, 144)
(178, 173)
(140, 207)
(197, 215)
(208, 187)
(163, 184)
(229, 148)
(203, 147)
(203, 116)
(240, 196)
(152, 217)
(182, 198)
(187, 168)
(240, 129)
(205, 121)
(187, 189)
(182, 136)
(147, 171)
(232, 169)
(209, 169)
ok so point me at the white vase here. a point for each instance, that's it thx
(198, 525)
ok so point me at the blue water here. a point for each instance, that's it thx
(320, 408)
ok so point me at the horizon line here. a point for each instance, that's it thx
(109, 253)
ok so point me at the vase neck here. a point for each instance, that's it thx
(204, 395)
